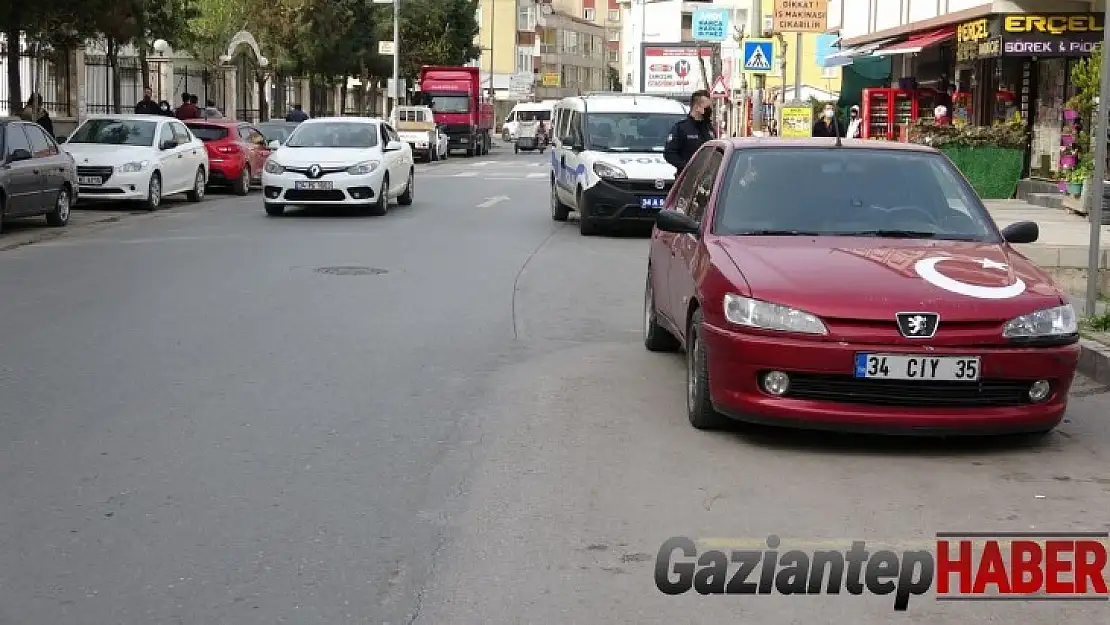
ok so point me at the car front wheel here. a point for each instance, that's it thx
(699, 408)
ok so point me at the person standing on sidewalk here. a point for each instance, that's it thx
(187, 110)
(689, 134)
(147, 106)
(828, 125)
(36, 112)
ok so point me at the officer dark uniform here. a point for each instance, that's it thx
(689, 134)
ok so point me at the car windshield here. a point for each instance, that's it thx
(275, 132)
(334, 135)
(533, 116)
(629, 132)
(115, 132)
(208, 133)
(849, 192)
(449, 103)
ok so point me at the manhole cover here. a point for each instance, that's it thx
(351, 271)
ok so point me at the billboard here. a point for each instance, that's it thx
(675, 68)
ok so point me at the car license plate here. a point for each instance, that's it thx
(652, 202)
(313, 185)
(906, 367)
(90, 180)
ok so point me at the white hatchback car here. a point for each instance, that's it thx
(137, 157)
(352, 161)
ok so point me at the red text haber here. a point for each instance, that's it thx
(1057, 567)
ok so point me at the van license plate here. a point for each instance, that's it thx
(652, 202)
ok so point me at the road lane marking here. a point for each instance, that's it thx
(537, 175)
(493, 200)
(466, 174)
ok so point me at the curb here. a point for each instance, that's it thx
(1094, 361)
(46, 234)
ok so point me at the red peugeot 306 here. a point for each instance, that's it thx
(237, 152)
(860, 286)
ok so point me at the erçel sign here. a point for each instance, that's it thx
(1053, 24)
(1074, 35)
(801, 16)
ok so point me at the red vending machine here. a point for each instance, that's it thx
(887, 113)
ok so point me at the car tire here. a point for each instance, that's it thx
(699, 406)
(59, 215)
(405, 198)
(559, 211)
(274, 209)
(243, 184)
(154, 192)
(196, 194)
(3, 210)
(381, 207)
(656, 337)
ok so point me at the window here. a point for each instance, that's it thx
(684, 195)
(866, 193)
(115, 132)
(524, 60)
(16, 140)
(333, 135)
(629, 132)
(525, 18)
(208, 133)
(180, 133)
(574, 127)
(830, 73)
(614, 34)
(614, 16)
(164, 135)
(383, 134)
(391, 133)
(255, 137)
(570, 42)
(449, 103)
(703, 189)
(614, 57)
(42, 146)
(588, 14)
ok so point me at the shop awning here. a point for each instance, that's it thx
(917, 43)
(848, 55)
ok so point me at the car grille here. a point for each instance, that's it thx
(102, 172)
(303, 195)
(851, 390)
(456, 129)
(323, 170)
(642, 186)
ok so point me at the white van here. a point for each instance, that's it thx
(526, 112)
(607, 163)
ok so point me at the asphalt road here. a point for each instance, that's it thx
(198, 427)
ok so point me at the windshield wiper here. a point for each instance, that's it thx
(889, 234)
(778, 233)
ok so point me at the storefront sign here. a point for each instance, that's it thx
(1060, 35)
(797, 122)
(990, 49)
(1053, 24)
(674, 69)
(1022, 47)
(801, 16)
(977, 30)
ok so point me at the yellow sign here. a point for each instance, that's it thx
(801, 16)
(551, 79)
(973, 31)
(797, 122)
(1052, 24)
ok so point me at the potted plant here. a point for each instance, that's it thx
(1069, 155)
(1078, 176)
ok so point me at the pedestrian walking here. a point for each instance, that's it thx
(187, 110)
(689, 134)
(36, 112)
(827, 126)
(147, 106)
(855, 125)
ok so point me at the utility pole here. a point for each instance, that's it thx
(396, 53)
(797, 67)
(760, 79)
(1098, 193)
(492, 23)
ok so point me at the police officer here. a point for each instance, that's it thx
(689, 134)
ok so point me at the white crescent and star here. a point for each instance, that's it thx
(927, 269)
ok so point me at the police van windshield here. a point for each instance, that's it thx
(533, 116)
(629, 132)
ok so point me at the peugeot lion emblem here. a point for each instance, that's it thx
(660, 184)
(314, 171)
(918, 325)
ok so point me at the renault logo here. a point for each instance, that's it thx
(314, 171)
(918, 325)
(660, 184)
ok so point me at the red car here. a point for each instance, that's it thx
(237, 152)
(860, 286)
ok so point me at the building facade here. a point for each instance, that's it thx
(1007, 59)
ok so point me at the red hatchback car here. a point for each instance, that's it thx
(237, 152)
(861, 287)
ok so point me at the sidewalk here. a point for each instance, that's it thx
(1062, 251)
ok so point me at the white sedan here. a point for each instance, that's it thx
(351, 161)
(137, 157)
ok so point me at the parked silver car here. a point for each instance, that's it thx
(36, 176)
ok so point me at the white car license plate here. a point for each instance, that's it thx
(906, 367)
(313, 185)
(652, 202)
(94, 180)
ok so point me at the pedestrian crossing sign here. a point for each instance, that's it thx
(759, 55)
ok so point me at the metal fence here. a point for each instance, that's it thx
(202, 82)
(98, 83)
(48, 76)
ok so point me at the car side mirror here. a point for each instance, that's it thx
(168, 144)
(273, 145)
(393, 146)
(1022, 232)
(676, 222)
(19, 154)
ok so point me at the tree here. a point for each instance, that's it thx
(436, 32)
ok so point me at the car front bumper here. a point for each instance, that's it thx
(823, 394)
(621, 200)
(116, 185)
(345, 188)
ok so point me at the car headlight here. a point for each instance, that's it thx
(363, 168)
(132, 167)
(273, 168)
(752, 313)
(1058, 321)
(605, 170)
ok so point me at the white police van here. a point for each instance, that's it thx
(607, 163)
